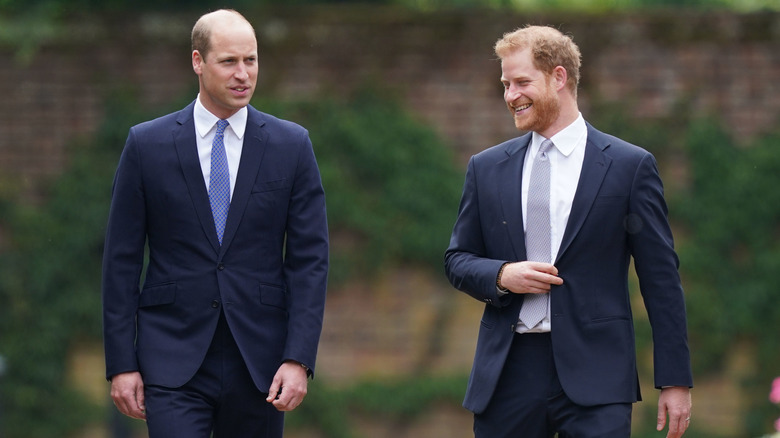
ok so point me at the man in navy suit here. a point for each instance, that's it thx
(573, 370)
(222, 336)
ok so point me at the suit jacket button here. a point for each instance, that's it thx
(221, 266)
(215, 304)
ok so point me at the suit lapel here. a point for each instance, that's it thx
(187, 150)
(251, 157)
(509, 180)
(594, 168)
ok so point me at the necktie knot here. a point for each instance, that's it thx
(544, 148)
(221, 125)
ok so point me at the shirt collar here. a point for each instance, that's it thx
(567, 139)
(205, 120)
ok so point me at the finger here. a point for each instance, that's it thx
(673, 430)
(120, 405)
(541, 290)
(141, 405)
(129, 408)
(546, 279)
(555, 280)
(291, 396)
(546, 268)
(677, 425)
(125, 402)
(280, 405)
(678, 428)
(138, 414)
(282, 402)
(288, 403)
(539, 287)
(132, 408)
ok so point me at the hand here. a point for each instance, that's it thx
(289, 386)
(529, 277)
(127, 391)
(675, 401)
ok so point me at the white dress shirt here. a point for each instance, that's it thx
(206, 129)
(565, 167)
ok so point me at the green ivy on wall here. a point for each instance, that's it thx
(50, 284)
(729, 209)
(391, 183)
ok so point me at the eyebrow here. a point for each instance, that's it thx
(234, 56)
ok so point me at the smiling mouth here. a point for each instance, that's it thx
(521, 107)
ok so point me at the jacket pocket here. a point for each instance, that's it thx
(275, 296)
(158, 295)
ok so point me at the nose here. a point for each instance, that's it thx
(241, 72)
(511, 93)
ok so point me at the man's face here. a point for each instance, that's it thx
(529, 93)
(228, 75)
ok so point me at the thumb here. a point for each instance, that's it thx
(273, 391)
(661, 421)
(140, 399)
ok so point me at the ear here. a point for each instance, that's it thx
(197, 62)
(560, 76)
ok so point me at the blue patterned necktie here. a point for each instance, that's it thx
(219, 181)
(537, 231)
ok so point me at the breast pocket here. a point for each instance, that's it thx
(270, 200)
(269, 186)
(609, 201)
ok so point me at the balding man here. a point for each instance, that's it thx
(222, 335)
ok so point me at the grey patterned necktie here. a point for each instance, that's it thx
(537, 231)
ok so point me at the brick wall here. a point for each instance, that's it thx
(441, 65)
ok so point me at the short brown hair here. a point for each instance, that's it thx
(549, 48)
(201, 32)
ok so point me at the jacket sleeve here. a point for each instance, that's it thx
(466, 263)
(123, 262)
(306, 258)
(657, 264)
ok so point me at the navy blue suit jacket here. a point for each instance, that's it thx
(269, 275)
(618, 212)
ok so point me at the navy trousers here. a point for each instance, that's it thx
(529, 401)
(221, 399)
